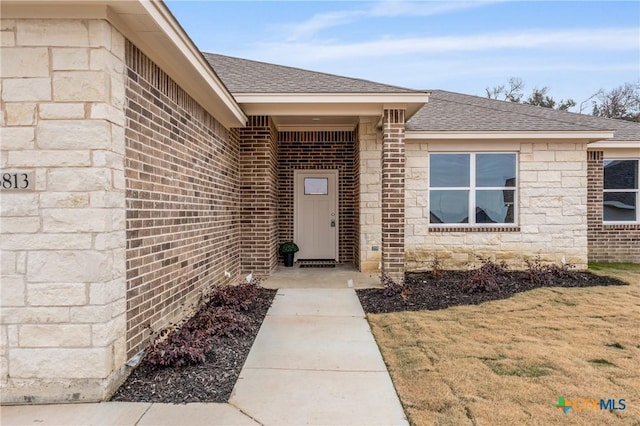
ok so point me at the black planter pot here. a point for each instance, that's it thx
(288, 259)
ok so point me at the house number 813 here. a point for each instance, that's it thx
(15, 181)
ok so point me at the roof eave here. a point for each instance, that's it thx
(298, 104)
(590, 135)
(615, 144)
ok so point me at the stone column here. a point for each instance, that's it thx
(63, 234)
(393, 203)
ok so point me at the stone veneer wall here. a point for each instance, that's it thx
(62, 332)
(183, 205)
(607, 242)
(259, 189)
(370, 188)
(319, 150)
(552, 216)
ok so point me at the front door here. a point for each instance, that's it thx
(316, 214)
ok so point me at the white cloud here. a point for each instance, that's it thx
(603, 39)
(380, 9)
(319, 22)
(390, 8)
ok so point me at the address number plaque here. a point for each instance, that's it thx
(17, 180)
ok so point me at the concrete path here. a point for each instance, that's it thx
(314, 362)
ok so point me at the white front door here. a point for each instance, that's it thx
(316, 214)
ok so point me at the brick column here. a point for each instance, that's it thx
(393, 165)
(259, 189)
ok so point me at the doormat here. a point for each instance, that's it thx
(319, 263)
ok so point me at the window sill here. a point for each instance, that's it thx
(628, 226)
(474, 229)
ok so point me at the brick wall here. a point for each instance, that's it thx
(63, 239)
(355, 196)
(259, 185)
(182, 194)
(607, 242)
(319, 150)
(552, 210)
(393, 193)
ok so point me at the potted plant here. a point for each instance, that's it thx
(287, 250)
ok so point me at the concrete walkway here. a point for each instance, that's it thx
(314, 362)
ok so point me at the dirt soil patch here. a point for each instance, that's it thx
(209, 381)
(421, 291)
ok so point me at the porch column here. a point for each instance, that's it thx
(259, 189)
(393, 163)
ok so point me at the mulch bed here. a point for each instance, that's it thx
(214, 379)
(421, 291)
(210, 381)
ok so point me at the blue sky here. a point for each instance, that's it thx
(574, 47)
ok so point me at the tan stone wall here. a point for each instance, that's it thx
(552, 219)
(63, 256)
(370, 209)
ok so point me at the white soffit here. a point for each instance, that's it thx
(329, 104)
(153, 29)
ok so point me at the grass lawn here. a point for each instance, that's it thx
(506, 362)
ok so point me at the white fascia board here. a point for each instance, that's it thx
(199, 72)
(329, 103)
(349, 98)
(484, 135)
(615, 144)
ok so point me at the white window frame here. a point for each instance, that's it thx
(472, 188)
(636, 190)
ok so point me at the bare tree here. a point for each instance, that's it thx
(513, 93)
(538, 97)
(623, 102)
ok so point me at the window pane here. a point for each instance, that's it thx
(619, 206)
(449, 170)
(495, 206)
(621, 174)
(315, 186)
(496, 170)
(449, 206)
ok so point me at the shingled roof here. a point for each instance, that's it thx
(246, 76)
(445, 112)
(449, 111)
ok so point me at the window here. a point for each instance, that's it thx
(621, 196)
(316, 186)
(472, 188)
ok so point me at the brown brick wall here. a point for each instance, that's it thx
(393, 203)
(182, 194)
(320, 150)
(607, 243)
(356, 198)
(259, 186)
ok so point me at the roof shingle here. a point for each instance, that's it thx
(246, 76)
(445, 112)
